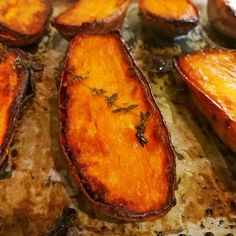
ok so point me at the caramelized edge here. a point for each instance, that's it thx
(189, 82)
(25, 92)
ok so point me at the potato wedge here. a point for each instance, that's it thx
(16, 86)
(91, 15)
(23, 22)
(169, 18)
(222, 16)
(211, 76)
(121, 159)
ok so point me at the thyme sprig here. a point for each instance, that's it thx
(126, 109)
(141, 128)
(111, 101)
(78, 78)
(97, 91)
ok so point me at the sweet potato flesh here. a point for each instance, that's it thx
(113, 162)
(169, 9)
(9, 83)
(24, 16)
(212, 79)
(215, 75)
(89, 10)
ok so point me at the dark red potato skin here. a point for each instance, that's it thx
(222, 18)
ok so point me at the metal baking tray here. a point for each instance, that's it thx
(37, 193)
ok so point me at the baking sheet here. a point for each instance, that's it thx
(35, 185)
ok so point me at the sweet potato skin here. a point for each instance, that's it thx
(222, 17)
(13, 95)
(97, 198)
(168, 27)
(13, 36)
(109, 23)
(220, 120)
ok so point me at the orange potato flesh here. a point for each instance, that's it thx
(103, 143)
(169, 9)
(9, 83)
(212, 79)
(88, 11)
(23, 21)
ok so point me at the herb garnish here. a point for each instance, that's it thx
(111, 101)
(141, 128)
(125, 109)
(97, 91)
(78, 78)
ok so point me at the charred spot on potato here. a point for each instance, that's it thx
(105, 16)
(107, 134)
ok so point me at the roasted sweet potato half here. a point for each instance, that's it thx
(16, 86)
(23, 22)
(112, 133)
(211, 76)
(222, 16)
(169, 18)
(91, 15)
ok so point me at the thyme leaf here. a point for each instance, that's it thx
(141, 128)
(125, 109)
(77, 78)
(97, 91)
(118, 110)
(130, 108)
(112, 99)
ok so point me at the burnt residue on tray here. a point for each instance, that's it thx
(4, 173)
(64, 222)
